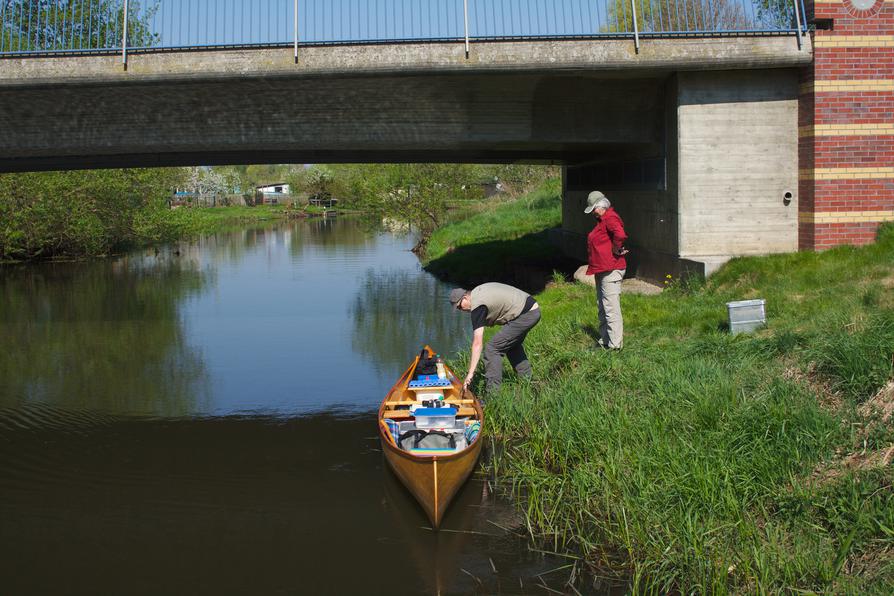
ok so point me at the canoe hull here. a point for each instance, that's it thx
(433, 481)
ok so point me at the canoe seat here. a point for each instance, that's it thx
(429, 384)
(410, 402)
(406, 413)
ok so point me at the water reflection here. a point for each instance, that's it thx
(101, 336)
(396, 312)
(252, 321)
(241, 506)
(198, 419)
(338, 233)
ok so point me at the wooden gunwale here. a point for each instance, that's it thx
(433, 480)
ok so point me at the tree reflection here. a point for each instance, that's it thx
(327, 235)
(101, 336)
(396, 312)
(333, 234)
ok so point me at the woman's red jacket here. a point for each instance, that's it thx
(608, 234)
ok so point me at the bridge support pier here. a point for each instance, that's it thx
(725, 183)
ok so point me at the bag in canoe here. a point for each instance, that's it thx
(426, 439)
(427, 365)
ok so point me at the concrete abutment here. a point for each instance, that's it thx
(724, 182)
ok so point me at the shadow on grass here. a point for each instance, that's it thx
(593, 332)
(527, 262)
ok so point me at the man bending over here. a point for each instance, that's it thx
(493, 304)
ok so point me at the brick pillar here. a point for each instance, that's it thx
(846, 124)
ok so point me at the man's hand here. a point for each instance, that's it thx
(468, 381)
(620, 251)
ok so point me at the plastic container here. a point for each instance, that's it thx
(428, 395)
(746, 315)
(435, 417)
(439, 364)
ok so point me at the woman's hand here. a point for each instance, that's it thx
(468, 381)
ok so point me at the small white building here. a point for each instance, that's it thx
(277, 188)
(272, 193)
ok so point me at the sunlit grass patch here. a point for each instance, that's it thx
(503, 221)
(688, 461)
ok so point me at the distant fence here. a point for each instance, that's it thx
(29, 27)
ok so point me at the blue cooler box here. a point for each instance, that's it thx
(435, 417)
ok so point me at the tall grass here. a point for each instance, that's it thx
(699, 462)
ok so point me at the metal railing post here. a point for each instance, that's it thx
(798, 23)
(2, 28)
(635, 27)
(124, 38)
(296, 31)
(466, 23)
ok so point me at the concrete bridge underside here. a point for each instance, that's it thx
(535, 117)
(705, 130)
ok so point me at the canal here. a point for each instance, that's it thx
(200, 418)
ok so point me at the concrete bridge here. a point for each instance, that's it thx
(695, 139)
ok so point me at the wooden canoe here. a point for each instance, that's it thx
(433, 479)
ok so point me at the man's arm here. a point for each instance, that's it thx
(477, 345)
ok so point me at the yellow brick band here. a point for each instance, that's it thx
(828, 217)
(854, 41)
(829, 86)
(845, 173)
(846, 130)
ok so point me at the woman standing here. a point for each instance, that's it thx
(605, 259)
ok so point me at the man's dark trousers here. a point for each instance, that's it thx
(508, 340)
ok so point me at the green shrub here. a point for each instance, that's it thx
(78, 213)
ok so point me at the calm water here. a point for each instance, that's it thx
(200, 420)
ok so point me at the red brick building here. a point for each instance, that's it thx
(846, 124)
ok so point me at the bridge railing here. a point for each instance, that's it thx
(35, 27)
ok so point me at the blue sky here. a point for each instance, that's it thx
(212, 22)
(191, 23)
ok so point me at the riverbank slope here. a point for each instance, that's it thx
(694, 460)
(503, 240)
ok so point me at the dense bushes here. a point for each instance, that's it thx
(93, 213)
(82, 212)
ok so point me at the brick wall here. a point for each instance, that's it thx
(846, 125)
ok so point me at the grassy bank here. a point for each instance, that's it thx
(188, 222)
(145, 227)
(511, 233)
(166, 225)
(701, 462)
